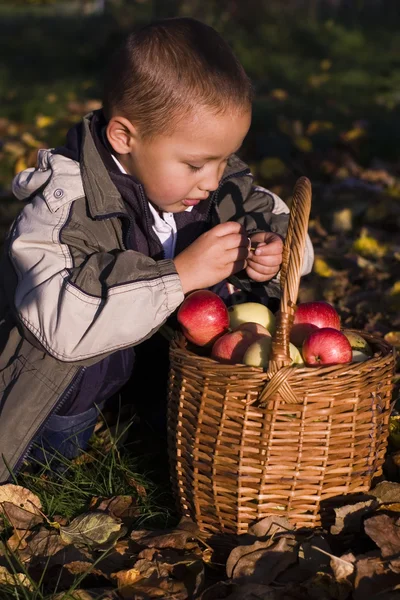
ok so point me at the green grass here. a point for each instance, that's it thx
(107, 469)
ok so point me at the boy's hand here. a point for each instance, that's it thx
(264, 262)
(214, 256)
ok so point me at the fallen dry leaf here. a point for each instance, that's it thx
(385, 532)
(14, 579)
(261, 562)
(167, 538)
(348, 518)
(119, 507)
(91, 529)
(20, 496)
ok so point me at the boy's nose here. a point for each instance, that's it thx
(210, 182)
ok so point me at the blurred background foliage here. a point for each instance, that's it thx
(327, 81)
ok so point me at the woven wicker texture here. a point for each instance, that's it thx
(245, 443)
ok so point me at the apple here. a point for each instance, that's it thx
(257, 355)
(326, 346)
(203, 317)
(357, 342)
(253, 312)
(230, 347)
(295, 355)
(359, 356)
(254, 328)
(310, 316)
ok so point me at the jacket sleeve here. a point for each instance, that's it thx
(260, 210)
(80, 301)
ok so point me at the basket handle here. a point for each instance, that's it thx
(279, 373)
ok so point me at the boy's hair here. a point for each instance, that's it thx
(162, 72)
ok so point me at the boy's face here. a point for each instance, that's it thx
(181, 169)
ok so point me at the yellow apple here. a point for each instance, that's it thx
(359, 356)
(257, 355)
(253, 312)
(357, 342)
(295, 355)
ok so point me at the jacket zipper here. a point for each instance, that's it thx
(58, 405)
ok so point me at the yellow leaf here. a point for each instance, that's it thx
(30, 140)
(395, 289)
(12, 129)
(316, 81)
(393, 338)
(272, 167)
(42, 121)
(322, 268)
(325, 64)
(279, 94)
(303, 143)
(16, 149)
(353, 134)
(369, 247)
(20, 165)
(317, 126)
(127, 577)
(394, 431)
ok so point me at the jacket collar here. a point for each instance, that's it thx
(102, 196)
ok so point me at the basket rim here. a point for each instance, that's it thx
(180, 344)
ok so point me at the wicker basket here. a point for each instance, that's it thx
(245, 443)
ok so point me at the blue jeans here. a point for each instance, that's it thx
(64, 436)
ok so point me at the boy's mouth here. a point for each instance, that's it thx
(191, 201)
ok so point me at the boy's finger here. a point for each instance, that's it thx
(274, 248)
(267, 261)
(263, 269)
(235, 240)
(228, 228)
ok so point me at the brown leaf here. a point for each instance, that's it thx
(343, 567)
(20, 518)
(119, 507)
(14, 579)
(20, 496)
(372, 575)
(348, 518)
(269, 526)
(261, 562)
(167, 538)
(387, 492)
(79, 567)
(128, 577)
(385, 532)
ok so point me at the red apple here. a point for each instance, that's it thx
(255, 328)
(203, 317)
(310, 316)
(231, 347)
(326, 346)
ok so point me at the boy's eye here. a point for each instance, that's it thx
(193, 168)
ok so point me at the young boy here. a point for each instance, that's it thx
(146, 202)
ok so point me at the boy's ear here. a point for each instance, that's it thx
(121, 134)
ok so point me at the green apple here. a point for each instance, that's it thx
(253, 312)
(257, 355)
(357, 342)
(359, 356)
(295, 355)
